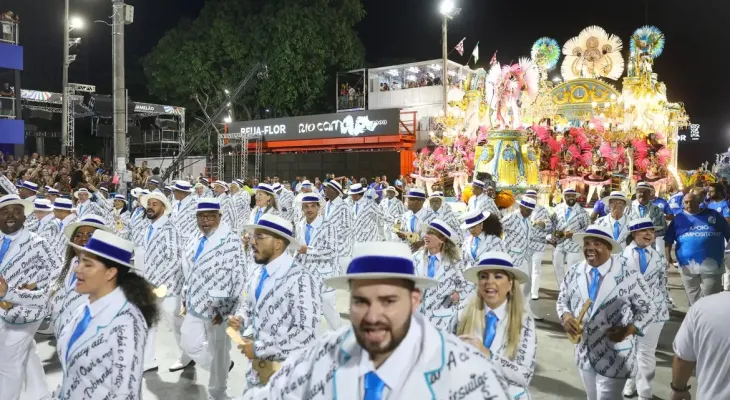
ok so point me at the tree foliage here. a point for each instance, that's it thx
(302, 42)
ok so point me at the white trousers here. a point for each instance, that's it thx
(726, 275)
(329, 309)
(170, 311)
(210, 348)
(659, 244)
(535, 271)
(21, 371)
(646, 358)
(560, 258)
(601, 388)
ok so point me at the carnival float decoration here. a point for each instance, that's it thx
(526, 131)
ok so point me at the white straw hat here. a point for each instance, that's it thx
(110, 247)
(599, 232)
(88, 220)
(278, 226)
(14, 199)
(495, 260)
(159, 197)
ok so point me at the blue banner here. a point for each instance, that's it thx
(11, 56)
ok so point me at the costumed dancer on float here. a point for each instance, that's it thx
(480, 200)
(652, 266)
(319, 254)
(440, 259)
(389, 348)
(570, 218)
(29, 191)
(337, 213)
(495, 322)
(542, 226)
(394, 207)
(122, 218)
(46, 226)
(213, 260)
(280, 309)
(619, 306)
(285, 199)
(229, 213)
(266, 203)
(439, 209)
(643, 207)
(63, 210)
(367, 216)
(484, 233)
(618, 223)
(26, 264)
(184, 212)
(597, 178)
(84, 205)
(241, 201)
(161, 261)
(413, 221)
(109, 331)
(64, 300)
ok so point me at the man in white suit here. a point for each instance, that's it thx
(390, 351)
(620, 307)
(570, 218)
(615, 220)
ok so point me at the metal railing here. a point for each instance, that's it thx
(354, 102)
(7, 107)
(8, 31)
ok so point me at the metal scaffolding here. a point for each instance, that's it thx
(239, 152)
(71, 91)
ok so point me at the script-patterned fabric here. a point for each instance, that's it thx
(90, 208)
(139, 223)
(184, 217)
(7, 186)
(322, 258)
(163, 258)
(242, 207)
(623, 299)
(214, 282)
(229, 214)
(330, 369)
(60, 240)
(483, 203)
(577, 222)
(408, 224)
(446, 214)
(655, 276)
(47, 228)
(64, 299)
(338, 213)
(608, 222)
(486, 243)
(29, 260)
(654, 213)
(124, 228)
(539, 241)
(436, 304)
(286, 204)
(105, 362)
(518, 232)
(366, 221)
(395, 208)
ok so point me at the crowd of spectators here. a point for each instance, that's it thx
(59, 172)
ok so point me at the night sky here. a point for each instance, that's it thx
(693, 65)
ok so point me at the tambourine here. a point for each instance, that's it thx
(575, 339)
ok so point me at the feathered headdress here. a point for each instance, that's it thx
(546, 53)
(649, 40)
(593, 54)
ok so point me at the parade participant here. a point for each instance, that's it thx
(484, 234)
(26, 262)
(84, 205)
(702, 345)
(367, 216)
(440, 259)
(663, 205)
(64, 212)
(162, 265)
(700, 235)
(439, 209)
(109, 331)
(304, 188)
(621, 306)
(481, 201)
(27, 191)
(716, 194)
(280, 309)
(285, 200)
(122, 218)
(338, 213)
(653, 267)
(389, 348)
(414, 219)
(266, 203)
(64, 299)
(213, 284)
(183, 214)
(220, 189)
(392, 206)
(615, 220)
(599, 208)
(241, 201)
(570, 218)
(207, 192)
(153, 185)
(495, 322)
(676, 203)
(167, 191)
(319, 254)
(43, 211)
(139, 221)
(199, 191)
(52, 194)
(643, 207)
(542, 225)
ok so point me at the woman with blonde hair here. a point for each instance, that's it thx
(495, 322)
(440, 259)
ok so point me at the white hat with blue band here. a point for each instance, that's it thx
(640, 224)
(183, 186)
(356, 189)
(311, 198)
(110, 247)
(416, 193)
(43, 205)
(531, 192)
(265, 187)
(88, 220)
(441, 227)
(527, 202)
(14, 199)
(63, 204)
(278, 226)
(495, 260)
(478, 183)
(334, 185)
(207, 204)
(615, 195)
(29, 185)
(569, 192)
(120, 197)
(472, 218)
(598, 232)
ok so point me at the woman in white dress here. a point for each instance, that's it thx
(495, 322)
(102, 348)
(484, 233)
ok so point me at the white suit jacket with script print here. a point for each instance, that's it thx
(106, 361)
(163, 258)
(321, 259)
(29, 260)
(184, 217)
(338, 213)
(623, 298)
(436, 304)
(366, 221)
(577, 221)
(213, 283)
(286, 315)
(446, 369)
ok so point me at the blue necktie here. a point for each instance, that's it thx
(73, 279)
(593, 288)
(257, 217)
(149, 233)
(357, 205)
(413, 223)
(80, 329)
(308, 234)
(616, 230)
(329, 208)
(81, 209)
(474, 247)
(431, 266)
(179, 203)
(373, 387)
(60, 225)
(567, 213)
(642, 259)
(5, 247)
(200, 248)
(264, 275)
(491, 330)
(642, 209)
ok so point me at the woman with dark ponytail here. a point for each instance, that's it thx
(108, 333)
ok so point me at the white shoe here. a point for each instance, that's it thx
(181, 363)
(535, 297)
(630, 388)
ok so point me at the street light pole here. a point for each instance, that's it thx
(64, 118)
(445, 65)
(119, 92)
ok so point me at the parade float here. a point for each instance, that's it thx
(525, 130)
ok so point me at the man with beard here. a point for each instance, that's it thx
(620, 307)
(644, 208)
(280, 308)
(214, 264)
(367, 215)
(390, 347)
(338, 213)
(285, 200)
(161, 262)
(415, 218)
(26, 262)
(570, 218)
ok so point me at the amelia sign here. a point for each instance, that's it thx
(323, 126)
